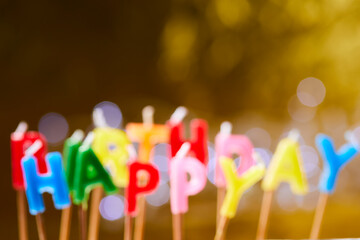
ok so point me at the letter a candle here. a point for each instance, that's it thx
(110, 147)
(147, 134)
(286, 166)
(333, 163)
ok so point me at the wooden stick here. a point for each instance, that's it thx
(95, 214)
(128, 227)
(22, 219)
(82, 222)
(264, 215)
(140, 219)
(319, 213)
(221, 228)
(221, 191)
(40, 226)
(177, 226)
(65, 223)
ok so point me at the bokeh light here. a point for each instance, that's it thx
(161, 162)
(265, 155)
(334, 121)
(259, 137)
(285, 199)
(112, 207)
(310, 160)
(54, 127)
(112, 113)
(160, 196)
(300, 112)
(311, 92)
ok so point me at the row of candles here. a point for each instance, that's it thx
(106, 160)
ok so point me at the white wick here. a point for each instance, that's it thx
(89, 138)
(132, 151)
(294, 134)
(98, 118)
(226, 128)
(184, 149)
(351, 138)
(178, 115)
(33, 148)
(78, 135)
(21, 128)
(148, 115)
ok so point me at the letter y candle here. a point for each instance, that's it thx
(333, 163)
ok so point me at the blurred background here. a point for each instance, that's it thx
(266, 66)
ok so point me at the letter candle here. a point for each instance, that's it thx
(147, 134)
(198, 140)
(36, 183)
(333, 163)
(89, 174)
(20, 141)
(286, 166)
(110, 146)
(71, 148)
(226, 145)
(137, 189)
(180, 188)
(236, 185)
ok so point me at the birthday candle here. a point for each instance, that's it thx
(147, 134)
(333, 161)
(71, 148)
(20, 141)
(237, 184)
(286, 166)
(52, 182)
(134, 189)
(89, 173)
(198, 140)
(226, 145)
(110, 146)
(181, 189)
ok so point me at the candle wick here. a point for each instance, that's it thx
(184, 149)
(33, 148)
(132, 152)
(148, 115)
(22, 127)
(226, 128)
(178, 115)
(351, 138)
(294, 134)
(99, 118)
(78, 135)
(89, 138)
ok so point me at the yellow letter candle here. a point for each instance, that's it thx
(286, 166)
(237, 185)
(110, 146)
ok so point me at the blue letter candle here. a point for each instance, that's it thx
(333, 161)
(52, 182)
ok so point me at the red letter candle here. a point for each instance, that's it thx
(19, 143)
(134, 189)
(198, 140)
